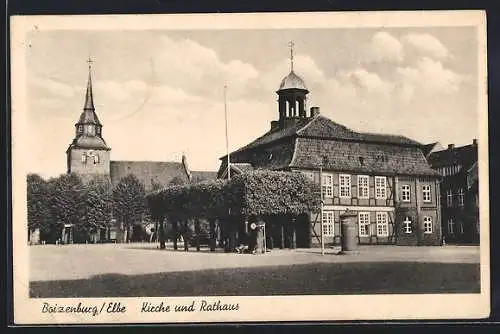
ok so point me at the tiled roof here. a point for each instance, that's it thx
(89, 142)
(275, 135)
(428, 148)
(322, 127)
(360, 157)
(88, 116)
(465, 156)
(318, 141)
(149, 172)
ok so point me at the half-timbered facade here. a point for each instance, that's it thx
(385, 179)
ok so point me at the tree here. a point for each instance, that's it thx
(129, 202)
(99, 204)
(67, 201)
(38, 205)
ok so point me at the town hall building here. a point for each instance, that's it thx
(385, 179)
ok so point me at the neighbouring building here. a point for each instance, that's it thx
(458, 167)
(89, 155)
(385, 179)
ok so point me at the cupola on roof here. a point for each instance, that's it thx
(292, 81)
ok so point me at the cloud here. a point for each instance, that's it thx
(369, 81)
(427, 44)
(192, 66)
(384, 47)
(429, 77)
(47, 86)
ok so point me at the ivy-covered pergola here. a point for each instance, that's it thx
(238, 211)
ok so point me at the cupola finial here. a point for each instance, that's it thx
(291, 44)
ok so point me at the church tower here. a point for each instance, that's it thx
(88, 153)
(292, 96)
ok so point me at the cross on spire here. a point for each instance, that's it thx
(291, 44)
(89, 98)
(90, 61)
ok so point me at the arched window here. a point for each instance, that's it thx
(287, 108)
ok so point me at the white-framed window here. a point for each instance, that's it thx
(380, 187)
(405, 193)
(382, 224)
(449, 198)
(84, 158)
(461, 197)
(363, 187)
(327, 186)
(407, 225)
(364, 224)
(451, 226)
(427, 225)
(327, 223)
(426, 192)
(96, 159)
(345, 185)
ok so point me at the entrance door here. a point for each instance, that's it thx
(303, 231)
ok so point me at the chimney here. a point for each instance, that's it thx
(474, 142)
(275, 125)
(451, 146)
(314, 111)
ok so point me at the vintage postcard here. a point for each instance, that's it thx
(250, 167)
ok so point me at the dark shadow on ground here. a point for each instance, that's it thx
(304, 279)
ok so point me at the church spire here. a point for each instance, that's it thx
(89, 98)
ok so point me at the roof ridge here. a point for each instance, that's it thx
(298, 132)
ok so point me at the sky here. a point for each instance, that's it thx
(160, 93)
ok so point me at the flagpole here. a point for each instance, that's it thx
(321, 211)
(227, 136)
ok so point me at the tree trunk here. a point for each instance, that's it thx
(270, 234)
(282, 233)
(213, 236)
(175, 233)
(161, 233)
(197, 232)
(185, 235)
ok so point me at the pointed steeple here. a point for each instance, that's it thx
(89, 98)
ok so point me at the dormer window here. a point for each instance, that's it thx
(80, 129)
(90, 129)
(98, 131)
